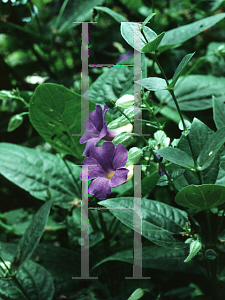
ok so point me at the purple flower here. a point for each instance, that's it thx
(110, 170)
(98, 129)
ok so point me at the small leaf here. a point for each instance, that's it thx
(211, 147)
(119, 18)
(14, 122)
(137, 294)
(147, 19)
(134, 156)
(153, 45)
(131, 32)
(205, 196)
(180, 69)
(177, 157)
(33, 234)
(153, 83)
(123, 138)
(195, 247)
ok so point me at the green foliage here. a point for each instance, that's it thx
(205, 196)
(159, 221)
(38, 172)
(52, 113)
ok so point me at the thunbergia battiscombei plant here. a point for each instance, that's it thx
(182, 205)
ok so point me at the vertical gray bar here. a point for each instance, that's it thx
(137, 87)
(137, 244)
(84, 74)
(84, 227)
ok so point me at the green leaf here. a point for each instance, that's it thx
(177, 157)
(119, 18)
(218, 113)
(180, 69)
(157, 257)
(147, 20)
(194, 92)
(159, 220)
(36, 172)
(123, 138)
(121, 121)
(195, 247)
(153, 45)
(211, 148)
(14, 122)
(78, 11)
(55, 112)
(134, 155)
(199, 135)
(131, 32)
(179, 35)
(33, 234)
(113, 83)
(137, 294)
(35, 280)
(153, 83)
(205, 196)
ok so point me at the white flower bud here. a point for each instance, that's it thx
(125, 101)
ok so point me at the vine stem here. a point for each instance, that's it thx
(171, 91)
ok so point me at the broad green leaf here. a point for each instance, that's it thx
(35, 280)
(177, 157)
(37, 172)
(157, 257)
(159, 220)
(210, 149)
(153, 45)
(14, 122)
(55, 112)
(179, 35)
(194, 92)
(180, 69)
(76, 11)
(113, 83)
(131, 32)
(218, 113)
(205, 196)
(119, 18)
(153, 83)
(147, 20)
(33, 234)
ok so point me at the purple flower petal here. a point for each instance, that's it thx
(119, 177)
(91, 143)
(100, 188)
(104, 156)
(120, 157)
(96, 117)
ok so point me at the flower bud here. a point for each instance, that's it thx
(131, 172)
(125, 101)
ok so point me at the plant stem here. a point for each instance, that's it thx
(171, 91)
(209, 226)
(151, 111)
